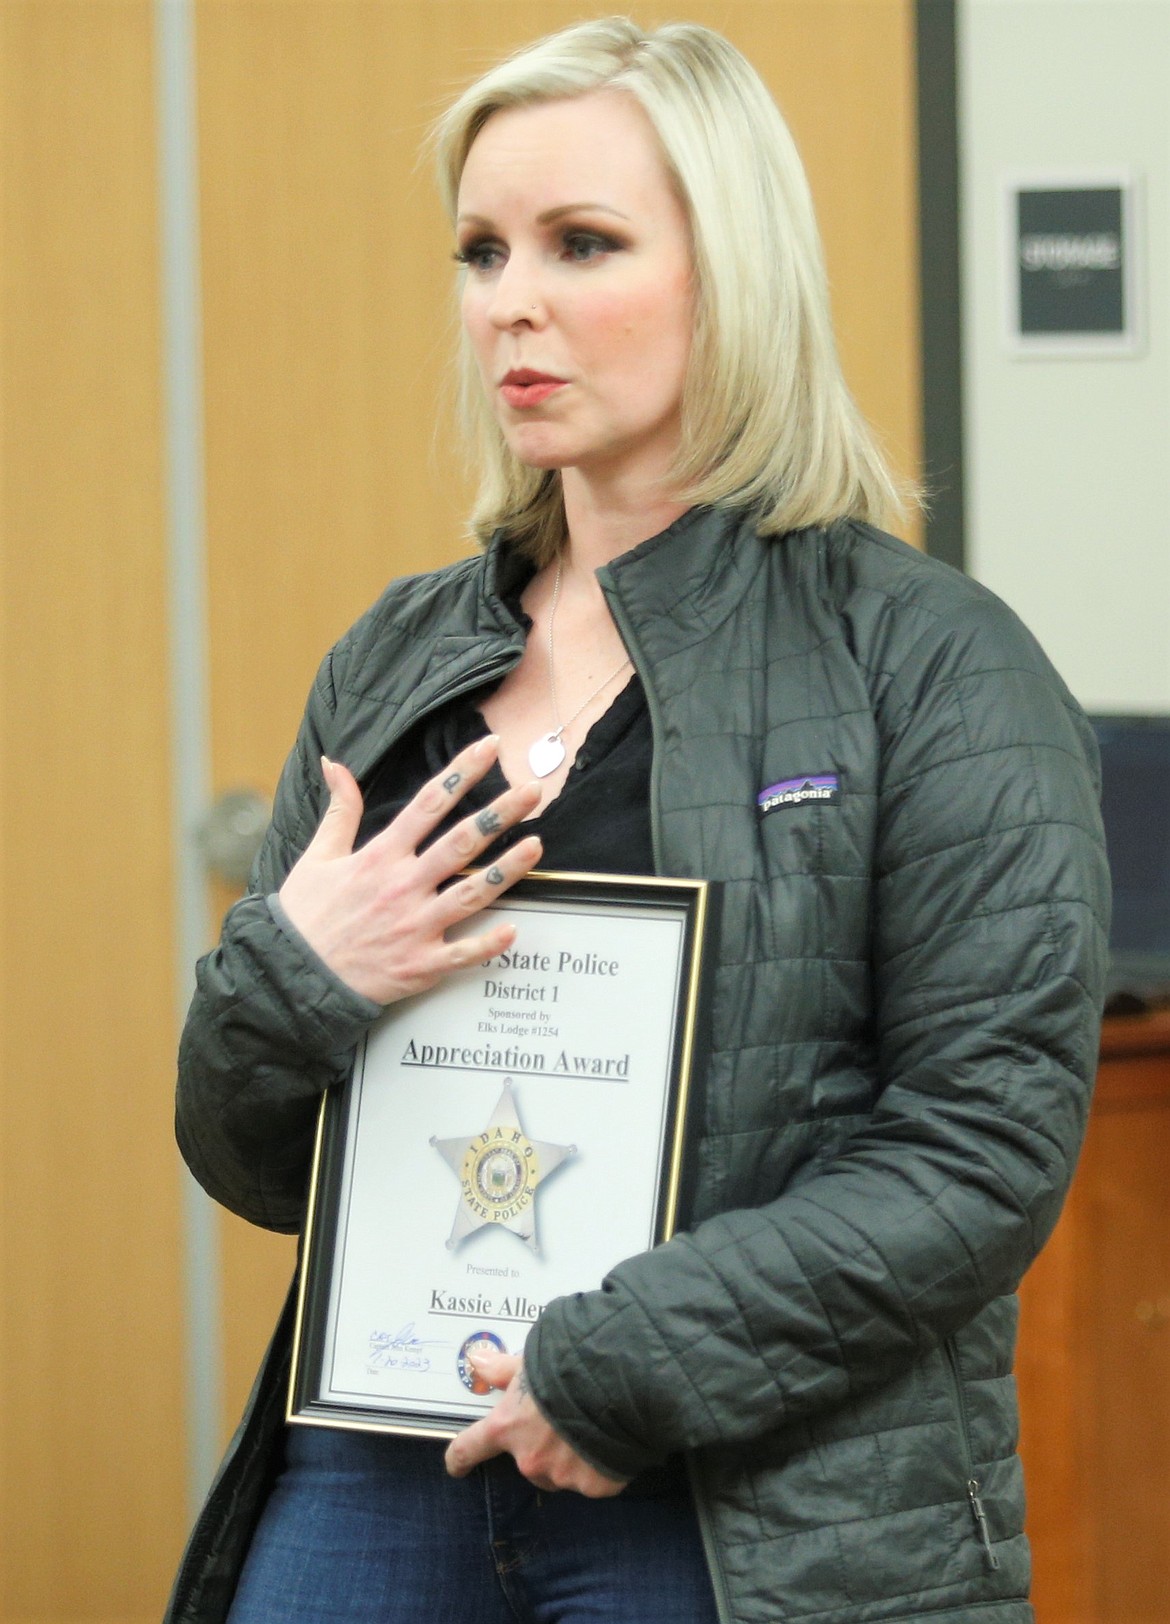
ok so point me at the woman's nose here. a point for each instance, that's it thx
(517, 298)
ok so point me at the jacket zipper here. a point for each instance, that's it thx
(710, 1548)
(698, 1494)
(618, 610)
(974, 1500)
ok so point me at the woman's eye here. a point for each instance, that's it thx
(480, 256)
(582, 246)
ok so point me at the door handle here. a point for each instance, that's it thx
(229, 833)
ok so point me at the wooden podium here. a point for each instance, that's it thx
(1094, 1355)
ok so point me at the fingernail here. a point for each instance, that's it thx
(488, 745)
(327, 771)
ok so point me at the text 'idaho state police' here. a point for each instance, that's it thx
(567, 963)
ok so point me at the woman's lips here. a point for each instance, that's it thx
(525, 388)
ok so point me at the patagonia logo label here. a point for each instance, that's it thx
(822, 787)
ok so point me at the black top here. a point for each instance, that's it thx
(600, 821)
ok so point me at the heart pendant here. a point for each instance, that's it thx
(545, 755)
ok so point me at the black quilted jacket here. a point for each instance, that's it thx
(904, 1037)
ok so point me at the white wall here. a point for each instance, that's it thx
(1068, 460)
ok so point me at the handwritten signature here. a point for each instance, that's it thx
(402, 1351)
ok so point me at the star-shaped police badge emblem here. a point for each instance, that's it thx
(498, 1172)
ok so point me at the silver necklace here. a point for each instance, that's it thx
(546, 753)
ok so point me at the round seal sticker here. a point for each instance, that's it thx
(477, 1342)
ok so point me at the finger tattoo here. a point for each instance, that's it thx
(452, 782)
(495, 875)
(488, 822)
(522, 1384)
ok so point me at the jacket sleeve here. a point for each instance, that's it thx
(989, 919)
(270, 1026)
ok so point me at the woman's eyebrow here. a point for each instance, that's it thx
(550, 216)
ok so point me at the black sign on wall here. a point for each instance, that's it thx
(1071, 268)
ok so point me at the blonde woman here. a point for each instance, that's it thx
(802, 1406)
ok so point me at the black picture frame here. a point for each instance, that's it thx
(363, 1126)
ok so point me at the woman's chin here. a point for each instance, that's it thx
(536, 448)
(538, 462)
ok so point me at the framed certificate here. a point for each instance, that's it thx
(503, 1139)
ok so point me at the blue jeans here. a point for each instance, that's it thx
(369, 1529)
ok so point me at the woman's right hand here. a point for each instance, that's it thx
(376, 916)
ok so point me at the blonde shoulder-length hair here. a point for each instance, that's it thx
(767, 420)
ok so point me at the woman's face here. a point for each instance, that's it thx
(578, 299)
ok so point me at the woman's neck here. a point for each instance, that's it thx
(605, 521)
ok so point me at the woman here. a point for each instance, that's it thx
(682, 608)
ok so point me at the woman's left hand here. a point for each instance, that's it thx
(516, 1427)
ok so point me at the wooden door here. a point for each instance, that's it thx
(327, 316)
(1094, 1366)
(91, 1373)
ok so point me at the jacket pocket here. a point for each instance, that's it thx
(978, 1514)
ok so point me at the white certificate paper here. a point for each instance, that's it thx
(505, 1139)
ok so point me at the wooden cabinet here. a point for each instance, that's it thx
(1094, 1358)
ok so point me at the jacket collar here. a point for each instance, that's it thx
(480, 640)
(673, 590)
(668, 593)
